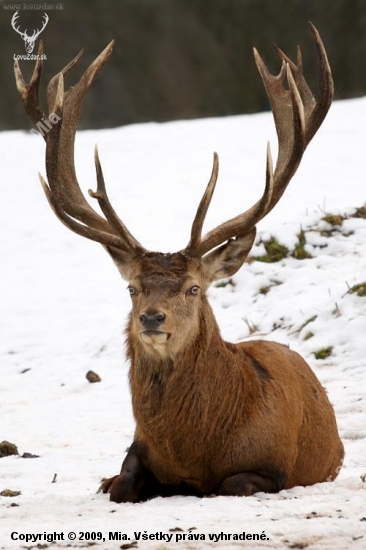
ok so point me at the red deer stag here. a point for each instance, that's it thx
(212, 418)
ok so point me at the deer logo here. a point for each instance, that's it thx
(28, 40)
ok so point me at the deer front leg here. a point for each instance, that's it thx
(249, 483)
(135, 483)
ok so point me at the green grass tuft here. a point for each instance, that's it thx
(275, 252)
(359, 289)
(300, 253)
(323, 353)
(223, 284)
(334, 219)
(264, 290)
(310, 320)
(360, 212)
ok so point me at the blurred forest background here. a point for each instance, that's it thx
(179, 59)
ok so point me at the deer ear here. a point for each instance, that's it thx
(228, 258)
(122, 261)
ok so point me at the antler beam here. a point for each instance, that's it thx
(297, 117)
(63, 191)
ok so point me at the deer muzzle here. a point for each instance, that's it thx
(151, 324)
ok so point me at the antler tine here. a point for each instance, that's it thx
(53, 84)
(202, 208)
(297, 117)
(108, 210)
(241, 224)
(105, 239)
(326, 88)
(29, 93)
(316, 110)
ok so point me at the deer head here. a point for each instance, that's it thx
(29, 40)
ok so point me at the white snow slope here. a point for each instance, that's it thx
(64, 306)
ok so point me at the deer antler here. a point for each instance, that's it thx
(24, 35)
(37, 33)
(13, 22)
(297, 117)
(63, 191)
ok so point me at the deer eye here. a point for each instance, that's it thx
(132, 290)
(194, 290)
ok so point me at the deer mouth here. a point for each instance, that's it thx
(154, 336)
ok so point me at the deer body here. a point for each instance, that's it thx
(213, 409)
(199, 428)
(212, 418)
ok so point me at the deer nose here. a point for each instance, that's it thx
(152, 321)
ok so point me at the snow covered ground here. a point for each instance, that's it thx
(63, 309)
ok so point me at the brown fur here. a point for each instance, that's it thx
(208, 411)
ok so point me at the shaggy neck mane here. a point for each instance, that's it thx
(197, 371)
(201, 371)
(190, 356)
